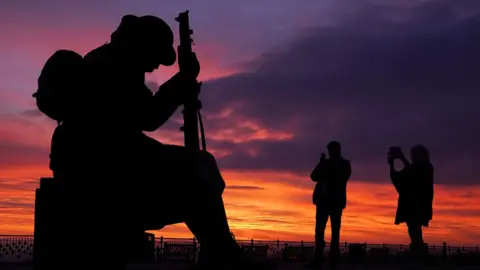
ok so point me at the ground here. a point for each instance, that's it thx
(284, 266)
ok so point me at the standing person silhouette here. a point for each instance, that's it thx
(414, 184)
(144, 183)
(330, 198)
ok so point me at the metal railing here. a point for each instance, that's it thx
(19, 249)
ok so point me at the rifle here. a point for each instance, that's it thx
(192, 105)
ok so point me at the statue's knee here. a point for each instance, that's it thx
(207, 157)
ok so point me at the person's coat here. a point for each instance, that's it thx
(331, 176)
(414, 185)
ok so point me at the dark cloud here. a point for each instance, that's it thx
(152, 85)
(32, 112)
(387, 74)
(21, 205)
(373, 81)
(246, 187)
(18, 184)
(13, 154)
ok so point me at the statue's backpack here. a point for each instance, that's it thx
(59, 79)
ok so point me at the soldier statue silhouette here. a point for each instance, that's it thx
(139, 181)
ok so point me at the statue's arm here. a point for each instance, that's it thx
(159, 107)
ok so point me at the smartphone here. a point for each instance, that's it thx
(394, 152)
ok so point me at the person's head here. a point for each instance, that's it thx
(147, 41)
(334, 149)
(419, 154)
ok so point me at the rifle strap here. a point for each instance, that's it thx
(202, 131)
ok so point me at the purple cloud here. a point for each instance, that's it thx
(371, 75)
(371, 82)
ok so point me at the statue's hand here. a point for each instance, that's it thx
(189, 65)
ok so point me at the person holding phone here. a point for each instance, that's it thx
(414, 185)
(330, 198)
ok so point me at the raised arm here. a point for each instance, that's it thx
(397, 177)
(170, 95)
(318, 172)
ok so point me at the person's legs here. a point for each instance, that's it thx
(321, 219)
(416, 238)
(336, 223)
(415, 233)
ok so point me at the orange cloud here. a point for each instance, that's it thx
(260, 204)
(267, 209)
(264, 206)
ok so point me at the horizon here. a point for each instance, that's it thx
(278, 241)
(365, 73)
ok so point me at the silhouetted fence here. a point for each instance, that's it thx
(19, 249)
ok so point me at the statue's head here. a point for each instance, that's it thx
(147, 41)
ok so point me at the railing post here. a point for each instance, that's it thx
(161, 250)
(444, 250)
(157, 251)
(195, 249)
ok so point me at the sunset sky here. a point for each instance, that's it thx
(282, 79)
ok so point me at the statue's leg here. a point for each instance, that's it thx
(206, 216)
(198, 189)
(97, 226)
(193, 181)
